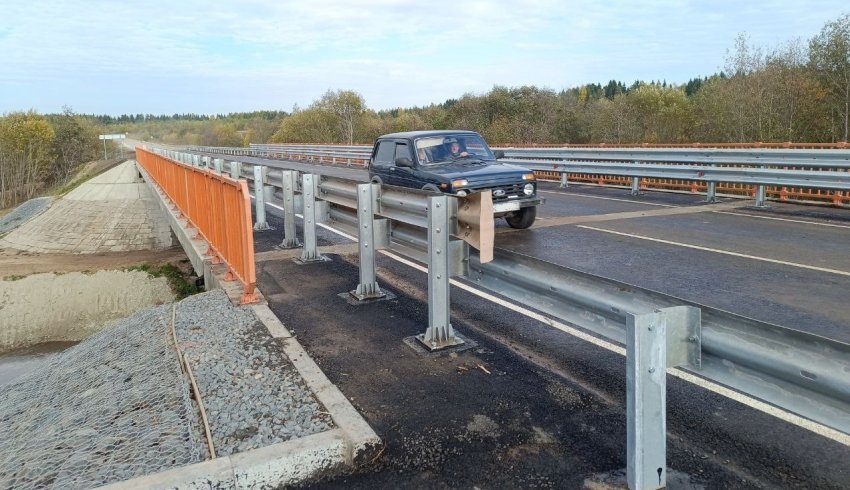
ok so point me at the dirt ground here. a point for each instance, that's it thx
(15, 263)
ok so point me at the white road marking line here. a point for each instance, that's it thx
(608, 198)
(718, 212)
(784, 219)
(725, 252)
(754, 403)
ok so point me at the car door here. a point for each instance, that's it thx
(404, 176)
(383, 161)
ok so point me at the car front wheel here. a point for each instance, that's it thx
(523, 218)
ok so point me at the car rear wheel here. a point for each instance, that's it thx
(523, 218)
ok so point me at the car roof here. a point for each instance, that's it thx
(420, 134)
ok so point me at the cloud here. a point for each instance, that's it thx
(396, 52)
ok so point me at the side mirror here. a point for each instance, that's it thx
(403, 162)
(499, 154)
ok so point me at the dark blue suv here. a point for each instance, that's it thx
(459, 163)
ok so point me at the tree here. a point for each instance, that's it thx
(348, 107)
(307, 126)
(829, 56)
(75, 143)
(26, 152)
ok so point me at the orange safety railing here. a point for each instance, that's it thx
(218, 207)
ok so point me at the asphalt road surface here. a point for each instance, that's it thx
(533, 407)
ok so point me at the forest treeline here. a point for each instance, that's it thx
(798, 91)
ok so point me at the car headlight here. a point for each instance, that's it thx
(528, 189)
(460, 182)
(528, 177)
(462, 193)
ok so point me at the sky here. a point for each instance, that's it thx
(211, 57)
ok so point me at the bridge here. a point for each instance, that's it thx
(765, 282)
(484, 355)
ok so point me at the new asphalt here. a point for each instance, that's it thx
(533, 407)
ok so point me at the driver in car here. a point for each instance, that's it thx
(455, 150)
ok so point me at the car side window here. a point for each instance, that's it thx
(385, 154)
(403, 150)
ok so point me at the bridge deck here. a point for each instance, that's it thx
(549, 409)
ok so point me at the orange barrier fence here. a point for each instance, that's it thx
(823, 196)
(218, 207)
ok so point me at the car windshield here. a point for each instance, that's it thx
(434, 150)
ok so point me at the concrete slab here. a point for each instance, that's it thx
(113, 212)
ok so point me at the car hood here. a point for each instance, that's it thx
(474, 170)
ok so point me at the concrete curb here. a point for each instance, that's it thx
(351, 443)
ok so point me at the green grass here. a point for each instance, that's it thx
(73, 184)
(177, 279)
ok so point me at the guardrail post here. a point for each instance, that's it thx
(218, 163)
(235, 170)
(711, 193)
(439, 333)
(367, 288)
(311, 249)
(760, 196)
(654, 342)
(260, 198)
(564, 180)
(289, 182)
(635, 186)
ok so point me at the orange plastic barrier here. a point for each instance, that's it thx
(218, 207)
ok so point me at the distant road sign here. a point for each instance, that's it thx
(112, 136)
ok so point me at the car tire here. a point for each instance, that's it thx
(377, 180)
(430, 188)
(523, 218)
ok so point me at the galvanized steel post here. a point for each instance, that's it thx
(368, 287)
(439, 333)
(260, 223)
(761, 196)
(235, 170)
(564, 180)
(308, 191)
(646, 396)
(218, 164)
(711, 193)
(668, 337)
(290, 240)
(635, 186)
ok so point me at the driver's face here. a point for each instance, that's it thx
(455, 147)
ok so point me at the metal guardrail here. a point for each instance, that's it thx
(810, 175)
(799, 372)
